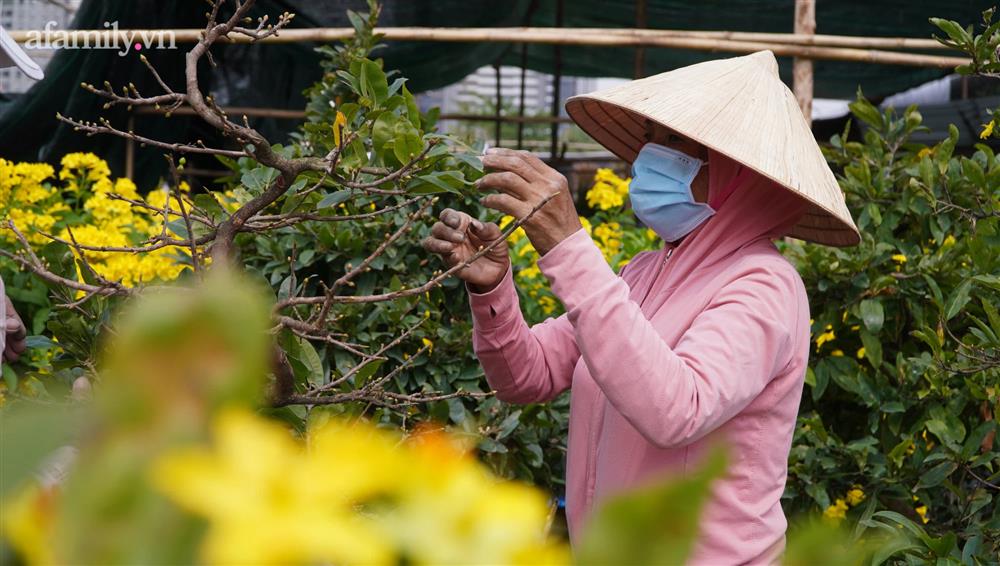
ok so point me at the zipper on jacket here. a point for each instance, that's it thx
(659, 270)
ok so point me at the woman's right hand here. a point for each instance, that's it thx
(457, 237)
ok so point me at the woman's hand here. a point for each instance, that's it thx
(524, 181)
(457, 237)
(15, 333)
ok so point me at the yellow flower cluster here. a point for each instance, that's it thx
(838, 511)
(81, 169)
(351, 494)
(29, 199)
(609, 190)
(608, 236)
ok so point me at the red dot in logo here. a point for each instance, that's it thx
(138, 47)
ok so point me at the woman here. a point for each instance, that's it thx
(705, 340)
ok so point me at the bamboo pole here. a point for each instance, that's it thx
(554, 36)
(818, 40)
(802, 68)
(281, 113)
(475, 34)
(640, 52)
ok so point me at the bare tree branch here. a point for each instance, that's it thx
(105, 127)
(36, 266)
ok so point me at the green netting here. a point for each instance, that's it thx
(275, 75)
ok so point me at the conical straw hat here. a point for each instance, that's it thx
(736, 106)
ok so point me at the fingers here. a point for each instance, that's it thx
(442, 231)
(14, 350)
(14, 328)
(456, 219)
(512, 162)
(507, 204)
(441, 247)
(486, 231)
(505, 182)
(526, 157)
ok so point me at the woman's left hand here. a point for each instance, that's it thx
(523, 181)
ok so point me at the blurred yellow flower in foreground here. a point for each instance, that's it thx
(26, 521)
(350, 494)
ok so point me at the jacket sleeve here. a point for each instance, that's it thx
(673, 396)
(3, 318)
(523, 365)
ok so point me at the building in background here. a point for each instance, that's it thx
(476, 95)
(32, 14)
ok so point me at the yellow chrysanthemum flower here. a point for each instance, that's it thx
(85, 165)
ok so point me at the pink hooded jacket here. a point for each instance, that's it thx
(692, 344)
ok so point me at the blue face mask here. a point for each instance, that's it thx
(660, 191)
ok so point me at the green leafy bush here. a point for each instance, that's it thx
(903, 384)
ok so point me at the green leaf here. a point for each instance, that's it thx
(872, 314)
(936, 475)
(257, 180)
(350, 80)
(992, 315)
(949, 430)
(29, 435)
(407, 143)
(974, 172)
(866, 112)
(396, 85)
(334, 198)
(958, 299)
(988, 280)
(438, 180)
(487, 444)
(509, 424)
(384, 131)
(873, 348)
(9, 377)
(945, 149)
(357, 21)
(956, 34)
(927, 172)
(374, 77)
(651, 525)
(935, 291)
(369, 369)
(412, 111)
(310, 359)
(874, 213)
(972, 444)
(898, 452)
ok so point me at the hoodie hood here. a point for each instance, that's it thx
(749, 209)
